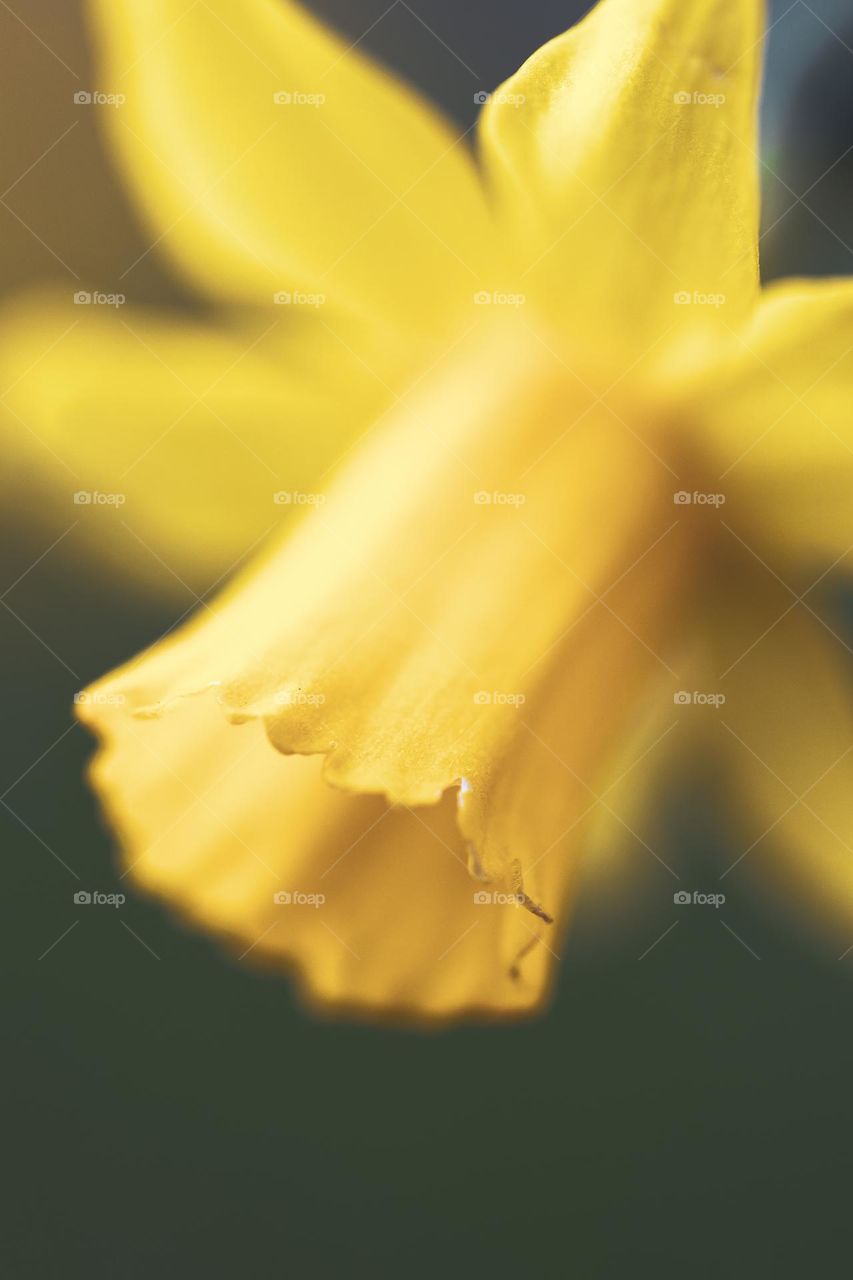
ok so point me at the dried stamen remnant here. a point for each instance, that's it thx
(523, 899)
(535, 909)
(515, 967)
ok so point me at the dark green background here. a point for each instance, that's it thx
(686, 1114)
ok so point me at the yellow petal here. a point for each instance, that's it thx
(382, 918)
(786, 736)
(537, 799)
(776, 423)
(387, 633)
(626, 152)
(349, 187)
(168, 442)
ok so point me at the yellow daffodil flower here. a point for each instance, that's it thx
(586, 460)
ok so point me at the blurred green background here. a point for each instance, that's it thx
(682, 1114)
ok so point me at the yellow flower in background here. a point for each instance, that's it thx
(185, 429)
(588, 477)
